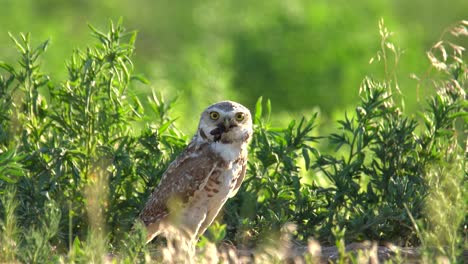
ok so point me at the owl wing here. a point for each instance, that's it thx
(185, 175)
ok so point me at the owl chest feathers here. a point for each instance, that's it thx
(221, 183)
(229, 152)
(223, 179)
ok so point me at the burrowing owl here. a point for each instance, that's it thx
(208, 172)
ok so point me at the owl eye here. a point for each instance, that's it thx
(214, 115)
(240, 116)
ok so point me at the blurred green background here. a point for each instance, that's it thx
(303, 55)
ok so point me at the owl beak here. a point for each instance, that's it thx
(222, 127)
(227, 124)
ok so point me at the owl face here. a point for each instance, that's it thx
(225, 122)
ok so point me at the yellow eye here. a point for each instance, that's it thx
(214, 115)
(240, 116)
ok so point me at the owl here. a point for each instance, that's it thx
(198, 182)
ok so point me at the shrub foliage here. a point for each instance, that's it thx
(80, 157)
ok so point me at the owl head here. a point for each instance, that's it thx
(225, 122)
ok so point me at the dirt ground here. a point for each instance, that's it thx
(365, 252)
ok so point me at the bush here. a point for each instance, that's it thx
(76, 169)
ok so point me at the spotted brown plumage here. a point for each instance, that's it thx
(209, 171)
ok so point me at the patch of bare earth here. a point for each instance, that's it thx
(365, 252)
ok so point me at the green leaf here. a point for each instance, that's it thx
(77, 247)
(458, 114)
(140, 78)
(42, 47)
(17, 44)
(7, 67)
(305, 154)
(165, 126)
(5, 178)
(268, 110)
(258, 110)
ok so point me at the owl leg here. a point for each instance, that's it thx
(210, 217)
(152, 230)
(192, 222)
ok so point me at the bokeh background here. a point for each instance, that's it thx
(303, 55)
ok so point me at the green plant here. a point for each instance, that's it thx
(273, 195)
(440, 231)
(9, 237)
(77, 146)
(378, 173)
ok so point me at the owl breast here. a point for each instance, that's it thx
(207, 202)
(222, 184)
